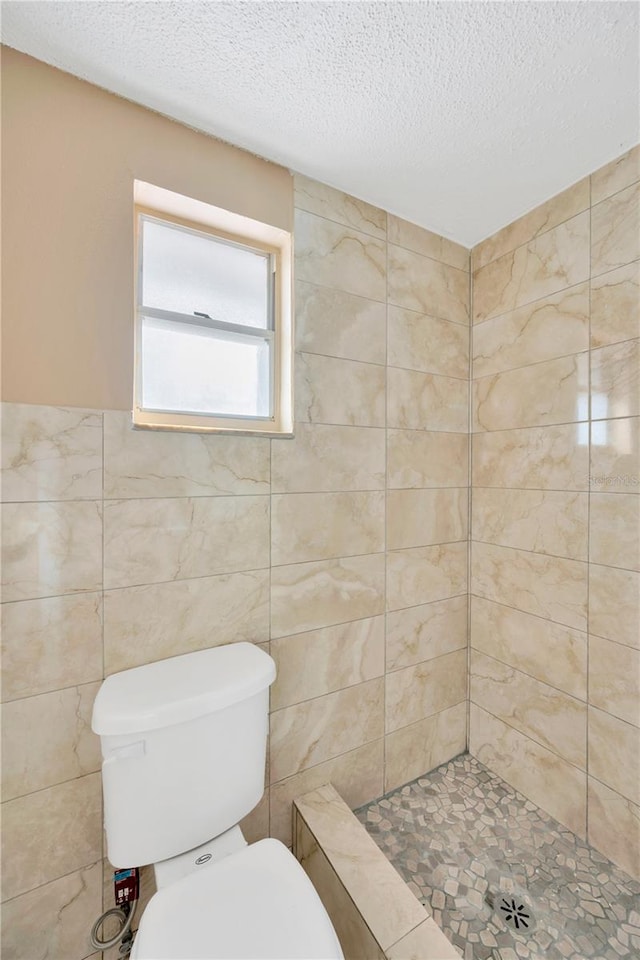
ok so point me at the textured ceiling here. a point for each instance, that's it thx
(459, 116)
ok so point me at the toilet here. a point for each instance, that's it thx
(184, 748)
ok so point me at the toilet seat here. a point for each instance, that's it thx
(257, 904)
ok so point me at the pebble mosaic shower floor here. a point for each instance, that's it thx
(503, 879)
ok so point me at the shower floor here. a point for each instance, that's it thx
(502, 878)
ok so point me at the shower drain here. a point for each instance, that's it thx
(514, 911)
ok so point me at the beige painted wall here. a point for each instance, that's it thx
(70, 154)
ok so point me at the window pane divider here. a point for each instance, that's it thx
(239, 329)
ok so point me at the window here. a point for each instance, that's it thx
(213, 319)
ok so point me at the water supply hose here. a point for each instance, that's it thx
(127, 920)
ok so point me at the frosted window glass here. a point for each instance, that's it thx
(189, 369)
(187, 273)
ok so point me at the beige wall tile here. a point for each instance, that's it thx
(305, 596)
(339, 257)
(416, 692)
(423, 574)
(550, 587)
(614, 679)
(255, 826)
(545, 521)
(52, 643)
(356, 775)
(615, 176)
(423, 401)
(552, 261)
(149, 541)
(321, 661)
(409, 235)
(614, 530)
(320, 526)
(615, 383)
(53, 922)
(423, 746)
(338, 324)
(157, 463)
(554, 391)
(144, 624)
(50, 549)
(549, 328)
(552, 718)
(548, 651)
(615, 306)
(328, 390)
(327, 202)
(419, 517)
(305, 734)
(427, 631)
(615, 457)
(50, 453)
(550, 214)
(420, 459)
(323, 458)
(47, 739)
(420, 342)
(614, 753)
(555, 785)
(615, 230)
(614, 827)
(49, 834)
(553, 457)
(419, 283)
(425, 942)
(614, 604)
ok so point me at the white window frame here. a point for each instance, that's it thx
(156, 203)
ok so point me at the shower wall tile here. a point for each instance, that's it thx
(615, 306)
(614, 827)
(615, 456)
(551, 262)
(615, 176)
(615, 381)
(422, 401)
(419, 342)
(410, 749)
(614, 604)
(340, 257)
(554, 391)
(541, 458)
(551, 782)
(614, 679)
(337, 324)
(544, 521)
(305, 596)
(550, 214)
(305, 734)
(614, 528)
(417, 458)
(412, 237)
(49, 644)
(318, 662)
(157, 463)
(422, 284)
(148, 623)
(554, 327)
(414, 693)
(47, 740)
(549, 652)
(155, 540)
(426, 631)
(328, 390)
(541, 712)
(416, 518)
(50, 453)
(614, 754)
(423, 574)
(51, 549)
(327, 202)
(615, 231)
(324, 458)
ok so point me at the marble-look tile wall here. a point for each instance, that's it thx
(555, 581)
(343, 551)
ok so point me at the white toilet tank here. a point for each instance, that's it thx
(183, 747)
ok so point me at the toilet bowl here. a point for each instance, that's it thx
(184, 747)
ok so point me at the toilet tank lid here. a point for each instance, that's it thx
(181, 688)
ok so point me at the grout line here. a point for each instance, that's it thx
(469, 507)
(386, 507)
(521, 670)
(589, 388)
